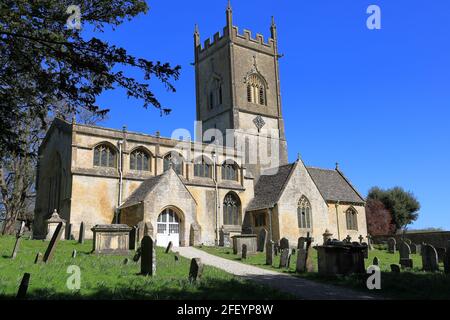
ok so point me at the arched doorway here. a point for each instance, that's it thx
(168, 228)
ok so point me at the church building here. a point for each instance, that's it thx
(234, 179)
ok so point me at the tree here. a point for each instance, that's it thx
(379, 219)
(44, 63)
(403, 205)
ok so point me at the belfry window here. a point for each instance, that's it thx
(352, 219)
(105, 156)
(256, 90)
(231, 209)
(140, 160)
(175, 160)
(304, 213)
(215, 94)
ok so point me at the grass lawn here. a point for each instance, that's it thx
(412, 284)
(106, 277)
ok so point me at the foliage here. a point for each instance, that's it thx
(403, 205)
(106, 277)
(379, 219)
(45, 66)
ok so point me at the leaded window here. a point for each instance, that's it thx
(304, 213)
(229, 171)
(105, 156)
(175, 160)
(352, 219)
(203, 168)
(256, 90)
(231, 209)
(140, 160)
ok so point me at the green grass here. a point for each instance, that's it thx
(410, 284)
(106, 277)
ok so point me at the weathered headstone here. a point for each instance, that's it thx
(369, 242)
(18, 239)
(169, 247)
(38, 258)
(269, 252)
(447, 259)
(176, 256)
(276, 248)
(244, 252)
(301, 260)
(301, 242)
(284, 243)
(304, 256)
(52, 245)
(74, 253)
(405, 252)
(441, 253)
(414, 248)
(391, 245)
(134, 233)
(284, 258)
(148, 256)
(395, 268)
(125, 261)
(293, 251)
(23, 288)
(429, 258)
(376, 261)
(263, 236)
(309, 258)
(196, 269)
(81, 233)
(137, 255)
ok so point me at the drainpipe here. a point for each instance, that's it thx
(216, 197)
(337, 220)
(119, 200)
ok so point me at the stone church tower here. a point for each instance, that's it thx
(238, 94)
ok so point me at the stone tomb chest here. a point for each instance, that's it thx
(337, 257)
(247, 239)
(111, 239)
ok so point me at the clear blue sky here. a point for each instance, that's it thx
(376, 101)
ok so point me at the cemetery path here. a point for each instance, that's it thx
(300, 288)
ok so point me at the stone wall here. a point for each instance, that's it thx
(436, 239)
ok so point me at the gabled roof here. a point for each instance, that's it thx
(334, 186)
(142, 191)
(269, 187)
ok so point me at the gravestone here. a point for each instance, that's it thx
(263, 236)
(293, 251)
(414, 248)
(270, 252)
(361, 238)
(196, 270)
(395, 268)
(134, 238)
(148, 256)
(52, 245)
(429, 258)
(391, 245)
(244, 252)
(74, 253)
(276, 248)
(447, 259)
(169, 247)
(304, 256)
(369, 242)
(38, 258)
(301, 260)
(69, 231)
(284, 258)
(405, 252)
(441, 253)
(125, 261)
(176, 256)
(137, 255)
(376, 262)
(18, 239)
(23, 288)
(284, 243)
(81, 233)
(348, 239)
(52, 224)
(301, 242)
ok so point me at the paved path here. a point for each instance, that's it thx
(300, 288)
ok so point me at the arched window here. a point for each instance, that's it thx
(140, 160)
(256, 90)
(304, 213)
(215, 94)
(229, 171)
(352, 219)
(105, 156)
(203, 168)
(175, 160)
(231, 209)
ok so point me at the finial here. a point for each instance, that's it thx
(124, 128)
(229, 17)
(158, 134)
(337, 165)
(273, 21)
(229, 5)
(74, 120)
(196, 29)
(298, 156)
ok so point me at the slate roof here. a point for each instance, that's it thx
(334, 186)
(269, 187)
(142, 191)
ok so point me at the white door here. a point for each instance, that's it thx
(168, 229)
